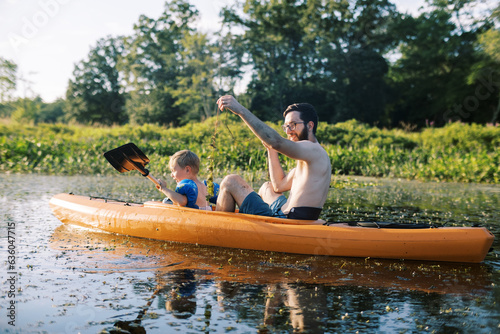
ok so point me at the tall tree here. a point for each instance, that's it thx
(229, 58)
(437, 54)
(486, 72)
(153, 64)
(278, 53)
(95, 94)
(359, 68)
(194, 92)
(328, 53)
(8, 70)
(52, 112)
(27, 110)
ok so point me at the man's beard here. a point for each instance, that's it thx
(303, 135)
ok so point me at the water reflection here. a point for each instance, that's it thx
(271, 291)
(103, 252)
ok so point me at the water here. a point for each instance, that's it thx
(70, 280)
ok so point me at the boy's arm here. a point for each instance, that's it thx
(175, 197)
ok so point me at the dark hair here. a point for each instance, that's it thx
(307, 113)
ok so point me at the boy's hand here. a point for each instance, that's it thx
(162, 185)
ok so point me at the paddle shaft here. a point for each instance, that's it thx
(154, 179)
(145, 309)
(134, 326)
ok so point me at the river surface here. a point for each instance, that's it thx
(64, 279)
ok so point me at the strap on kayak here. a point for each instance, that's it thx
(384, 225)
(112, 200)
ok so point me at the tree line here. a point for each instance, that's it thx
(351, 59)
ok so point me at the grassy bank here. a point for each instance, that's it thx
(457, 152)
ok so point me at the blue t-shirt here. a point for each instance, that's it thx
(189, 189)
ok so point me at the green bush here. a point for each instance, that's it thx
(457, 152)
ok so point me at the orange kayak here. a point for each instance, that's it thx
(155, 220)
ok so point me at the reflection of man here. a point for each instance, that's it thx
(308, 182)
(227, 290)
(182, 300)
(306, 305)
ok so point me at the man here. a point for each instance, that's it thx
(308, 182)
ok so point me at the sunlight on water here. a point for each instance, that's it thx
(70, 279)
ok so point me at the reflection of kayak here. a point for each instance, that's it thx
(160, 221)
(91, 251)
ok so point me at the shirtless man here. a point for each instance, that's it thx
(308, 182)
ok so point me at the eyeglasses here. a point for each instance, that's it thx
(290, 125)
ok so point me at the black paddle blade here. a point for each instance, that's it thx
(127, 157)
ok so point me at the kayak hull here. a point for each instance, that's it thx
(155, 220)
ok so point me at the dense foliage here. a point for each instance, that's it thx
(457, 152)
(352, 59)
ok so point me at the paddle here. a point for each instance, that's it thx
(128, 157)
(134, 326)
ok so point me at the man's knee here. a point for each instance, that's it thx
(267, 193)
(265, 188)
(234, 186)
(230, 180)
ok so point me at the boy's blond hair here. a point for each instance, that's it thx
(185, 158)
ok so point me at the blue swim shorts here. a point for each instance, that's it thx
(253, 204)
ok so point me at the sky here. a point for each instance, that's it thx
(46, 38)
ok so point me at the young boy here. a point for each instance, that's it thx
(190, 192)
